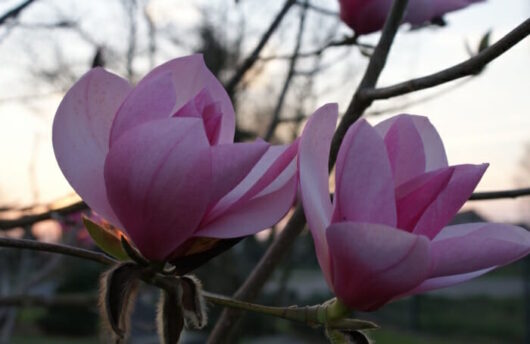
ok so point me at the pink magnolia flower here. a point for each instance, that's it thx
(367, 16)
(384, 236)
(158, 160)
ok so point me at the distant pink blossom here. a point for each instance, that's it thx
(367, 16)
(158, 161)
(384, 235)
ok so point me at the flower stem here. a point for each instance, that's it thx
(330, 314)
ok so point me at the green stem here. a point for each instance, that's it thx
(330, 314)
(336, 310)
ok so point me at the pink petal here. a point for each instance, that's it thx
(314, 179)
(416, 195)
(242, 205)
(231, 163)
(169, 87)
(205, 107)
(158, 178)
(462, 183)
(367, 16)
(364, 16)
(421, 11)
(81, 134)
(444, 282)
(405, 150)
(259, 169)
(363, 177)
(253, 215)
(313, 166)
(277, 161)
(433, 148)
(466, 248)
(372, 263)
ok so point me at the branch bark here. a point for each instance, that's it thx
(466, 68)
(31, 219)
(57, 248)
(489, 195)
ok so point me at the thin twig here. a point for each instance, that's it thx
(288, 78)
(31, 219)
(347, 41)
(415, 102)
(57, 248)
(466, 68)
(490, 195)
(15, 11)
(130, 7)
(151, 34)
(253, 57)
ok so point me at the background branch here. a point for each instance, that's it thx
(489, 195)
(290, 73)
(466, 68)
(31, 219)
(15, 11)
(57, 248)
(253, 57)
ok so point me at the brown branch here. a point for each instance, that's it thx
(418, 101)
(253, 57)
(489, 195)
(347, 41)
(287, 83)
(57, 248)
(31, 219)
(252, 286)
(359, 104)
(466, 68)
(15, 11)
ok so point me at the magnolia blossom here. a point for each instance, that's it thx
(158, 160)
(384, 235)
(367, 16)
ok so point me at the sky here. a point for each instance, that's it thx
(487, 119)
